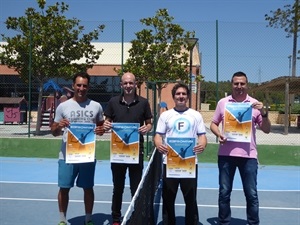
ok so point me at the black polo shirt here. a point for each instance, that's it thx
(137, 111)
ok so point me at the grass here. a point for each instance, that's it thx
(49, 148)
(42, 148)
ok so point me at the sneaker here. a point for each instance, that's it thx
(62, 223)
(89, 223)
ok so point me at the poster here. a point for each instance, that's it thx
(238, 122)
(181, 159)
(81, 143)
(125, 143)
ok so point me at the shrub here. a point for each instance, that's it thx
(295, 109)
(212, 105)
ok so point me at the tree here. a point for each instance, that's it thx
(56, 44)
(157, 54)
(287, 18)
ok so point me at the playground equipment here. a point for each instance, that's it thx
(51, 101)
(14, 110)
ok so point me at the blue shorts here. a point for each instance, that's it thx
(83, 173)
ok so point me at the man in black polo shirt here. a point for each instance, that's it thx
(127, 108)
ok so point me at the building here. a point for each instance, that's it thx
(104, 78)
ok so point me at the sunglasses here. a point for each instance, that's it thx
(239, 83)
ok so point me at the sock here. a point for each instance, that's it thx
(88, 217)
(62, 216)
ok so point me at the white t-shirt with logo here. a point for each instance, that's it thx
(77, 112)
(188, 123)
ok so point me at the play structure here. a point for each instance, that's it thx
(14, 110)
(51, 101)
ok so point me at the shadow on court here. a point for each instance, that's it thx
(234, 221)
(100, 218)
(179, 220)
(211, 221)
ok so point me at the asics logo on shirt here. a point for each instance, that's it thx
(81, 113)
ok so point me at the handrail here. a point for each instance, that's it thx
(51, 116)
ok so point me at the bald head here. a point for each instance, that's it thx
(128, 84)
(127, 76)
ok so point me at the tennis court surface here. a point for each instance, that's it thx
(28, 191)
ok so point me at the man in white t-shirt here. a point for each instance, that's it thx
(78, 109)
(180, 122)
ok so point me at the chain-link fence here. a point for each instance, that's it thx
(225, 47)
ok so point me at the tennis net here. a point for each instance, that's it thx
(142, 208)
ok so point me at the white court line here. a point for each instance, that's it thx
(109, 202)
(110, 185)
(42, 183)
(52, 200)
(262, 190)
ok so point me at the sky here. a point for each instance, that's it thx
(245, 43)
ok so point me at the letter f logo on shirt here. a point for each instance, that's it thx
(180, 125)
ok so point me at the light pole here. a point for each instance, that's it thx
(191, 44)
(290, 57)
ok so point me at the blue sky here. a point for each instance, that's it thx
(245, 43)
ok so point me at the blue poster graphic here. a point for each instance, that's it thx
(182, 147)
(84, 133)
(124, 145)
(238, 122)
(81, 143)
(181, 158)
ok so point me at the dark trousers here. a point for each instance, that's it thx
(188, 188)
(119, 176)
(248, 172)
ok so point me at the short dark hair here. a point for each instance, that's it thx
(83, 75)
(180, 85)
(239, 74)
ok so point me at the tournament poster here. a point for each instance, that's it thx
(81, 143)
(181, 159)
(124, 144)
(238, 122)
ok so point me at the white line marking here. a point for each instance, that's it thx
(109, 202)
(47, 183)
(110, 185)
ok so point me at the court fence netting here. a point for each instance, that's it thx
(144, 205)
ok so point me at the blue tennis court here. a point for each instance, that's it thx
(28, 192)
